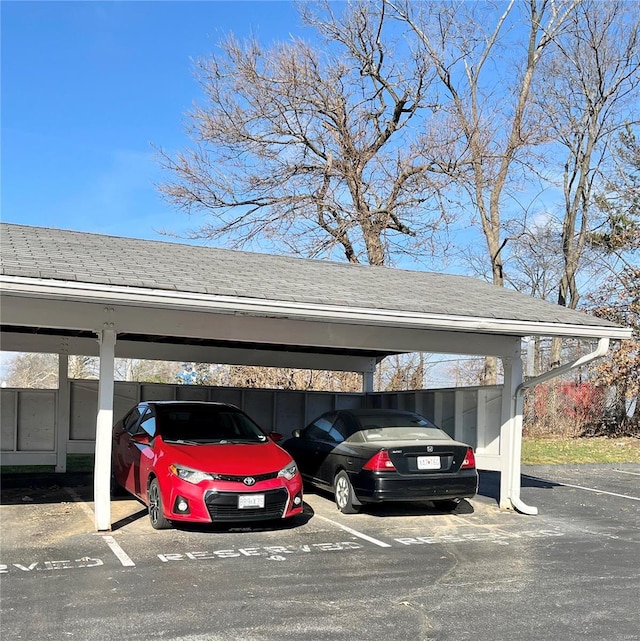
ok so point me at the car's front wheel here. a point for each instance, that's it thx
(157, 518)
(344, 495)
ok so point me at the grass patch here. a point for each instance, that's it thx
(559, 451)
(27, 469)
(80, 462)
(535, 451)
(75, 463)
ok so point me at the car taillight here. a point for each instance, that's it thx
(469, 460)
(380, 462)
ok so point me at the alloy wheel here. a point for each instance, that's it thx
(342, 492)
(154, 503)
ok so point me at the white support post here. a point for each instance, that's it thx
(63, 410)
(511, 435)
(104, 423)
(512, 378)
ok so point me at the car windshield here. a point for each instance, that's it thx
(198, 424)
(399, 427)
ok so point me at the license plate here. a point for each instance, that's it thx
(428, 462)
(250, 501)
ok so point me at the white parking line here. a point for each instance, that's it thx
(587, 489)
(83, 504)
(366, 537)
(627, 472)
(123, 557)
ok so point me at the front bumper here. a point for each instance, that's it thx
(374, 487)
(215, 501)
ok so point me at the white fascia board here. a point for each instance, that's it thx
(16, 342)
(113, 294)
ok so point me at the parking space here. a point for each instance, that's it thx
(398, 572)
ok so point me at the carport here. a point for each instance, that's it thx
(70, 292)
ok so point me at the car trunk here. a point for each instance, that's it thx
(427, 458)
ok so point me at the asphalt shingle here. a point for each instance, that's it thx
(39, 252)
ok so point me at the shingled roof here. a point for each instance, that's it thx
(60, 255)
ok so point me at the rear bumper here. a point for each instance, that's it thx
(374, 487)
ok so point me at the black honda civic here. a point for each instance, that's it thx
(375, 455)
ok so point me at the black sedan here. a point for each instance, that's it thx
(373, 455)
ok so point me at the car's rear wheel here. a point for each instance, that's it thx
(344, 495)
(157, 518)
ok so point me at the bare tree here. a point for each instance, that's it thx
(588, 94)
(401, 112)
(294, 379)
(83, 367)
(486, 58)
(315, 147)
(591, 88)
(535, 263)
(32, 370)
(466, 372)
(487, 75)
(402, 372)
(535, 266)
(133, 369)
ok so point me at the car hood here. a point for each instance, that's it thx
(228, 458)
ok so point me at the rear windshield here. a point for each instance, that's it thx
(399, 427)
(195, 424)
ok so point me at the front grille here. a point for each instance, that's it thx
(240, 479)
(223, 506)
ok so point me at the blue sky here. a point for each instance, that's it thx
(89, 87)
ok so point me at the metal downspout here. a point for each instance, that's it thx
(516, 501)
(599, 352)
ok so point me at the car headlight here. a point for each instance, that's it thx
(189, 475)
(289, 471)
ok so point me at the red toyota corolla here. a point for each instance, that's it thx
(203, 462)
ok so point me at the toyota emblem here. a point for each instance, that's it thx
(249, 481)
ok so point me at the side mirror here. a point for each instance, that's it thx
(276, 437)
(141, 437)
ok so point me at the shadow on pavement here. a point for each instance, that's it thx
(489, 484)
(49, 487)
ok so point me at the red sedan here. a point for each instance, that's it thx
(203, 463)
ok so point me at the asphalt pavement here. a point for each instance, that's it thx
(397, 573)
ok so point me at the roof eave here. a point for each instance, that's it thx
(145, 297)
